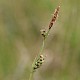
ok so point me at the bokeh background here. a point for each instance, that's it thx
(20, 39)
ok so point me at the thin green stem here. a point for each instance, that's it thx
(42, 47)
(47, 33)
(41, 50)
(30, 76)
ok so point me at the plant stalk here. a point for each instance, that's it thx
(41, 50)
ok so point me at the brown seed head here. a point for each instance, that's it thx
(55, 14)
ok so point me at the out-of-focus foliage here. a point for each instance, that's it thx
(20, 39)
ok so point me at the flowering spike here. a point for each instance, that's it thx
(55, 14)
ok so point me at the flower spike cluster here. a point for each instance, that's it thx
(55, 14)
(39, 59)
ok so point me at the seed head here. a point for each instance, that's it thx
(55, 14)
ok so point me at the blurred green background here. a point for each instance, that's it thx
(20, 39)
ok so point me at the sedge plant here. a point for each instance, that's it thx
(39, 59)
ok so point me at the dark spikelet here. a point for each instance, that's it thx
(55, 15)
